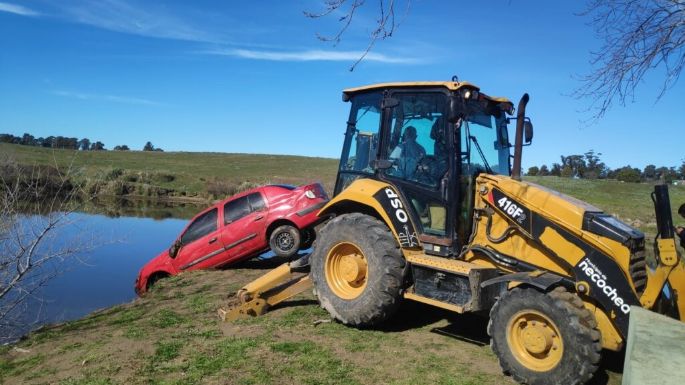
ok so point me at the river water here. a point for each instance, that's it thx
(120, 240)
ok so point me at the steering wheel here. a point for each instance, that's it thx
(425, 169)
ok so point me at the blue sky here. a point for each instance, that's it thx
(252, 76)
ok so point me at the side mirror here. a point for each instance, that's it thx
(175, 247)
(528, 131)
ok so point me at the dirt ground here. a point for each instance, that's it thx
(173, 336)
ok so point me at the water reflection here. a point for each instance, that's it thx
(124, 235)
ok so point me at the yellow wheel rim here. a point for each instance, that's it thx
(346, 270)
(535, 341)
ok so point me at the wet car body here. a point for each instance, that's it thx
(277, 217)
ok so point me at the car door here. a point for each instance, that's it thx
(243, 228)
(199, 242)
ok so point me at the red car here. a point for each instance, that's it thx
(276, 217)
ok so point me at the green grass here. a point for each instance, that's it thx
(185, 173)
(166, 318)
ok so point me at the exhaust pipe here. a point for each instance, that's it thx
(518, 143)
(662, 208)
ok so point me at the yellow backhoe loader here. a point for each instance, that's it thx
(429, 207)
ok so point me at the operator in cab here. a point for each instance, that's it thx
(408, 153)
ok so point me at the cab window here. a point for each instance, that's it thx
(417, 146)
(201, 226)
(361, 141)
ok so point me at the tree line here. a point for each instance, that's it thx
(84, 144)
(590, 166)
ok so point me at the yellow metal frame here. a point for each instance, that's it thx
(266, 291)
(361, 192)
(452, 86)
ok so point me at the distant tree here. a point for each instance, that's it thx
(573, 166)
(649, 173)
(668, 174)
(84, 144)
(148, 147)
(544, 171)
(47, 142)
(97, 146)
(158, 149)
(628, 174)
(556, 169)
(594, 167)
(28, 140)
(681, 171)
(122, 147)
(533, 171)
(7, 138)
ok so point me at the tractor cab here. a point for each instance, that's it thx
(428, 140)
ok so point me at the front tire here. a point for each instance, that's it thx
(544, 339)
(357, 270)
(285, 241)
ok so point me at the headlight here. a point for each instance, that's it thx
(310, 194)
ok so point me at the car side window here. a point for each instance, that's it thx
(203, 225)
(256, 201)
(236, 209)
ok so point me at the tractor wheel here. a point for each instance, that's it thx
(549, 339)
(357, 270)
(285, 241)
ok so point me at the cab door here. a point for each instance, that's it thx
(418, 144)
(199, 242)
(243, 228)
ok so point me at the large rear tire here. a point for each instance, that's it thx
(544, 339)
(357, 270)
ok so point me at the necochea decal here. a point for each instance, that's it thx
(600, 280)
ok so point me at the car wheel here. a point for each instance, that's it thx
(285, 241)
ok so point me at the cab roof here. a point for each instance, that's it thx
(451, 85)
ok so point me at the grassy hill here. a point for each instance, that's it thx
(175, 174)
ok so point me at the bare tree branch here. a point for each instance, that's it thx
(35, 203)
(638, 36)
(385, 27)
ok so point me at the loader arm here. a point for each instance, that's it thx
(272, 288)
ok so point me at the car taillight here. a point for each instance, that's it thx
(310, 194)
